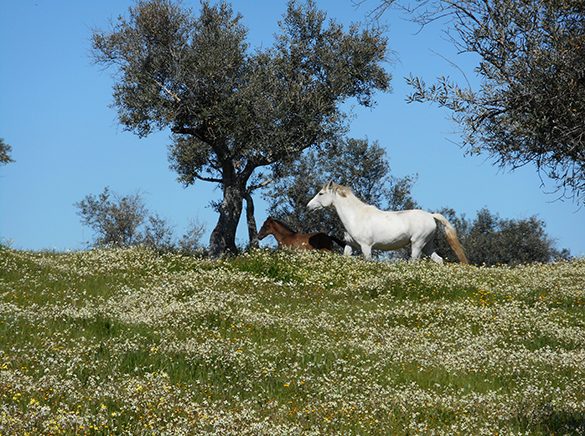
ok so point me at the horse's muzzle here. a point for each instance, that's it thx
(313, 205)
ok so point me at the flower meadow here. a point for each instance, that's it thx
(130, 341)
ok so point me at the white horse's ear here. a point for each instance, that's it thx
(328, 185)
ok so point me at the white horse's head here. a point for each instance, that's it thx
(324, 197)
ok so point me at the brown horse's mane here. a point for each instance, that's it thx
(286, 226)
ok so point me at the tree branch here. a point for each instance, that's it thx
(168, 91)
(264, 183)
(208, 179)
(189, 131)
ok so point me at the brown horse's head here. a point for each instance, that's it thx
(266, 229)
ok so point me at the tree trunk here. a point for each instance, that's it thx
(223, 236)
(252, 230)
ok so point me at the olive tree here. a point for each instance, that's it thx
(232, 110)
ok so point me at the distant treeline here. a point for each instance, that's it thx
(491, 240)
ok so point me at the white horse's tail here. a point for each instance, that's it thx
(451, 236)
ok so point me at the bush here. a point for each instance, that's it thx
(125, 221)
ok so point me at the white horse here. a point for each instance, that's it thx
(368, 227)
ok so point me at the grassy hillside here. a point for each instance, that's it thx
(284, 343)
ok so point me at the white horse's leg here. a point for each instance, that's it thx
(366, 251)
(436, 258)
(429, 250)
(415, 250)
(347, 250)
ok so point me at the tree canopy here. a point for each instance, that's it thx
(530, 105)
(231, 109)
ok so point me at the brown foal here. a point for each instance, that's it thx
(288, 238)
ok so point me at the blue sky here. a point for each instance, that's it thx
(55, 112)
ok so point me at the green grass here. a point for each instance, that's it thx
(114, 341)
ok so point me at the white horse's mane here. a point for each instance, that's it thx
(343, 191)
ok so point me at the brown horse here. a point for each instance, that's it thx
(289, 238)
